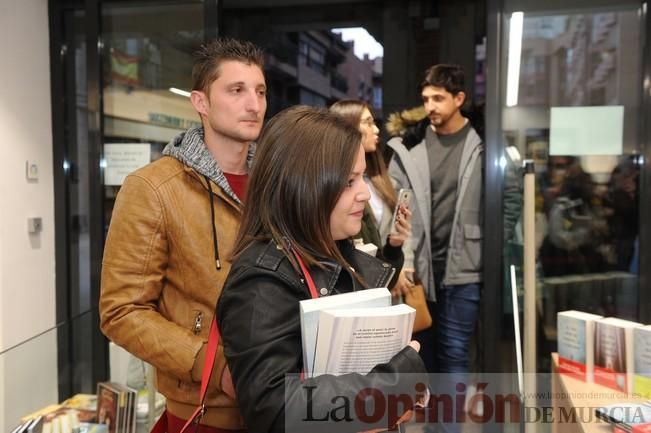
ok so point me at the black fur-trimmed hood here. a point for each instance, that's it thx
(409, 124)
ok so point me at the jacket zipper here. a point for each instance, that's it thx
(198, 319)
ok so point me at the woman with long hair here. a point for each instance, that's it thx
(306, 197)
(392, 241)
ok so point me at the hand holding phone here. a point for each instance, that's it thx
(400, 223)
(404, 198)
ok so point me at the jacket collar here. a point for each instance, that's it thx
(332, 278)
(190, 149)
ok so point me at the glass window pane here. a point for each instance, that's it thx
(571, 105)
(76, 161)
(147, 76)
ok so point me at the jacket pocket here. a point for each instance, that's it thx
(473, 236)
(472, 231)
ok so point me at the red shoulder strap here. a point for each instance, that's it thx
(307, 276)
(213, 342)
(311, 286)
(211, 354)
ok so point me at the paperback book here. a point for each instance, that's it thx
(642, 365)
(310, 310)
(109, 411)
(613, 353)
(576, 344)
(116, 407)
(356, 340)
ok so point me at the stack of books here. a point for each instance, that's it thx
(72, 416)
(608, 351)
(116, 407)
(353, 332)
(614, 353)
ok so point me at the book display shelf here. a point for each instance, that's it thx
(28, 373)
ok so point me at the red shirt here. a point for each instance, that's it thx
(238, 184)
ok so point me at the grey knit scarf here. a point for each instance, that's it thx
(189, 148)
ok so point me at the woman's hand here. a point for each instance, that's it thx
(401, 231)
(408, 414)
(404, 283)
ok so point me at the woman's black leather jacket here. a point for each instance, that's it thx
(258, 315)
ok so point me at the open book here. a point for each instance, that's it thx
(331, 325)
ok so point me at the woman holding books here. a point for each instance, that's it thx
(307, 199)
(392, 241)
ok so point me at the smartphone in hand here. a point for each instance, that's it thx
(404, 198)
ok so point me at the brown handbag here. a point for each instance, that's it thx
(415, 298)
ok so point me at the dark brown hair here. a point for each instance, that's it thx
(210, 56)
(449, 77)
(303, 160)
(376, 170)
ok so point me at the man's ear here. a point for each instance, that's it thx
(459, 99)
(200, 102)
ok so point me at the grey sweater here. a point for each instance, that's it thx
(410, 169)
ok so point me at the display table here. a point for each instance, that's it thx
(569, 394)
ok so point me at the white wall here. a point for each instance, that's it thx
(27, 284)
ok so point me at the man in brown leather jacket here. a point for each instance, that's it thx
(173, 224)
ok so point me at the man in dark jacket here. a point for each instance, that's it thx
(174, 222)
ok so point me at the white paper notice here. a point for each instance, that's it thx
(586, 130)
(124, 158)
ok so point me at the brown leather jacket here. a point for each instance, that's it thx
(160, 283)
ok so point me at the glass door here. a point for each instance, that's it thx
(571, 102)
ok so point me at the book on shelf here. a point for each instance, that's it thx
(58, 417)
(36, 425)
(642, 364)
(33, 425)
(84, 404)
(613, 353)
(310, 310)
(78, 414)
(356, 340)
(576, 344)
(62, 421)
(108, 406)
(116, 407)
(129, 400)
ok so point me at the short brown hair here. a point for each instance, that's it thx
(449, 77)
(303, 160)
(209, 57)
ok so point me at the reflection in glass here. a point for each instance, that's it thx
(147, 74)
(586, 200)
